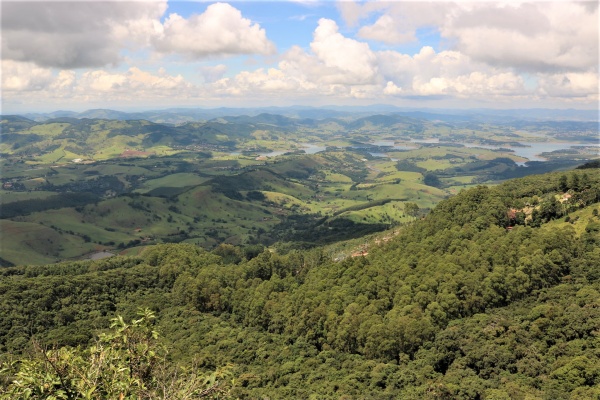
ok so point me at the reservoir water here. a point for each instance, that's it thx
(311, 148)
(531, 150)
(528, 150)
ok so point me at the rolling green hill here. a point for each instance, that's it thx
(97, 184)
(114, 205)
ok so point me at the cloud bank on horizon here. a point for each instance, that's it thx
(140, 54)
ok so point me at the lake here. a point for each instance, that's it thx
(532, 150)
(311, 148)
(529, 150)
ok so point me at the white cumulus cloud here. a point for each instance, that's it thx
(24, 76)
(400, 21)
(70, 34)
(391, 89)
(570, 85)
(353, 60)
(220, 30)
(134, 82)
(84, 34)
(553, 36)
(557, 36)
(523, 52)
(385, 29)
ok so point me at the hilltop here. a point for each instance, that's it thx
(178, 115)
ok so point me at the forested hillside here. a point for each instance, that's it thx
(494, 295)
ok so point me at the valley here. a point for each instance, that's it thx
(75, 187)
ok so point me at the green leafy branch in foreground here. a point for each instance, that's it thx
(128, 362)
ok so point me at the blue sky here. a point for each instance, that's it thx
(291, 24)
(287, 23)
(153, 54)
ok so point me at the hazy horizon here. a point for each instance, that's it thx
(375, 106)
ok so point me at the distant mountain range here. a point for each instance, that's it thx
(349, 113)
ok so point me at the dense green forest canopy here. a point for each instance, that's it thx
(493, 295)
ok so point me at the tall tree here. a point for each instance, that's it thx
(411, 209)
(563, 183)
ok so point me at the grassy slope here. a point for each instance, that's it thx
(32, 243)
(578, 220)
